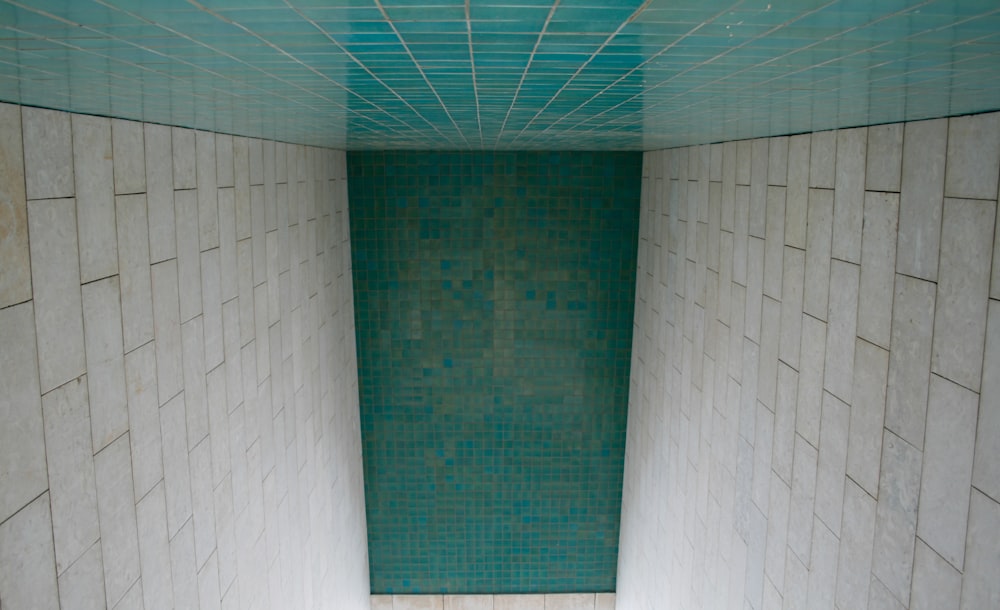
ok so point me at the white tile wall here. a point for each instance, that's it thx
(867, 472)
(139, 464)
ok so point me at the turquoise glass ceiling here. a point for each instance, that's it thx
(504, 74)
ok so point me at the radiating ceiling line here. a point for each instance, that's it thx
(472, 62)
(420, 69)
(524, 74)
(638, 11)
(370, 73)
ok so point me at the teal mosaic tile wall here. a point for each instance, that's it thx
(494, 297)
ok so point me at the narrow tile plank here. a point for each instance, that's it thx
(921, 195)
(102, 324)
(910, 358)
(884, 158)
(823, 159)
(116, 506)
(878, 262)
(896, 516)
(818, 244)
(48, 153)
(184, 158)
(973, 156)
(843, 316)
(848, 199)
(176, 473)
(167, 330)
(208, 206)
(832, 464)
(129, 157)
(95, 197)
(160, 193)
(143, 418)
(154, 550)
(15, 273)
(188, 254)
(855, 558)
(864, 445)
(133, 262)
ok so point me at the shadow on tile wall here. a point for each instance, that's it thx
(494, 297)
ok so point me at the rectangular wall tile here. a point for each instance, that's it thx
(973, 156)
(878, 261)
(936, 585)
(48, 153)
(211, 307)
(797, 194)
(193, 342)
(133, 263)
(154, 550)
(105, 360)
(777, 164)
(224, 160)
(832, 464)
(807, 418)
(884, 158)
(823, 159)
(920, 198)
(910, 358)
(963, 290)
(986, 469)
(843, 315)
(864, 446)
(119, 533)
(184, 158)
(167, 330)
(855, 558)
(202, 500)
(27, 560)
(208, 207)
(183, 572)
(823, 568)
(241, 186)
(775, 244)
(980, 586)
(758, 187)
(792, 286)
(70, 457)
(755, 288)
(82, 584)
(740, 235)
(896, 516)
(55, 279)
(947, 471)
(176, 473)
(129, 157)
(143, 418)
(227, 244)
(818, 243)
(803, 493)
(848, 199)
(22, 441)
(188, 253)
(95, 197)
(160, 193)
(218, 423)
(15, 273)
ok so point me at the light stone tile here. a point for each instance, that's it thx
(842, 329)
(167, 330)
(256, 162)
(777, 531)
(864, 443)
(129, 157)
(878, 261)
(832, 463)
(273, 285)
(116, 506)
(796, 592)
(758, 187)
(224, 160)
(936, 585)
(417, 602)
(27, 560)
(70, 457)
(884, 158)
(184, 158)
(196, 406)
(797, 194)
(244, 270)
(259, 252)
(910, 358)
(176, 474)
(767, 379)
(792, 286)
(218, 423)
(188, 254)
(855, 559)
(980, 586)
(208, 206)
(209, 597)
(468, 602)
(48, 153)
(105, 361)
(822, 568)
(810, 400)
(144, 418)
(606, 601)
(133, 263)
(775, 244)
(848, 199)
(784, 422)
(233, 362)
(241, 190)
(818, 243)
(154, 550)
(896, 516)
(270, 216)
(212, 308)
(823, 159)
(81, 586)
(183, 573)
(202, 500)
(15, 273)
(569, 601)
(280, 162)
(227, 244)
(879, 598)
(921, 198)
(963, 290)
(947, 471)
(262, 334)
(755, 289)
(762, 445)
(160, 193)
(55, 280)
(743, 162)
(986, 466)
(729, 153)
(22, 441)
(95, 197)
(973, 156)
(225, 528)
(777, 164)
(518, 602)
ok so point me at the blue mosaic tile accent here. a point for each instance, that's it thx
(494, 299)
